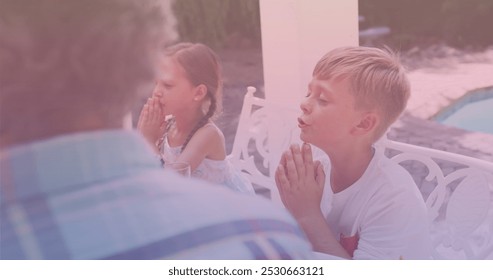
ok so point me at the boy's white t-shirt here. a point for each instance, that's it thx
(383, 213)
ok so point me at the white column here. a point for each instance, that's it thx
(295, 35)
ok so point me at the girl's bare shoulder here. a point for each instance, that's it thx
(210, 131)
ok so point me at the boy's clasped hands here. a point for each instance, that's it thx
(300, 181)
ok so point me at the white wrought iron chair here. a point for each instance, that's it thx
(458, 190)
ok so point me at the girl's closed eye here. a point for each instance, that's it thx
(164, 84)
(167, 85)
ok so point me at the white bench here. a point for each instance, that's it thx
(458, 190)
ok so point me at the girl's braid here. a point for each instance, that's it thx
(203, 120)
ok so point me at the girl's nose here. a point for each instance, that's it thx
(156, 92)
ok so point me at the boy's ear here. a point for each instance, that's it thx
(200, 92)
(367, 123)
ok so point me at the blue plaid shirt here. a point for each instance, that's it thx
(103, 195)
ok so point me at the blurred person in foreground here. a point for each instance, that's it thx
(74, 184)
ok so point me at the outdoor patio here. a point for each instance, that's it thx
(439, 76)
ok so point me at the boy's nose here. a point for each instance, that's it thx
(304, 106)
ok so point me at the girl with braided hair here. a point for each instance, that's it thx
(189, 89)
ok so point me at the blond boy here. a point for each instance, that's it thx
(361, 205)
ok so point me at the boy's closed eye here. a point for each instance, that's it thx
(323, 101)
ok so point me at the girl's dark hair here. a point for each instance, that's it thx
(201, 66)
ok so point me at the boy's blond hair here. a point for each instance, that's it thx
(376, 79)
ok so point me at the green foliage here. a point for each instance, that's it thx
(218, 23)
(468, 21)
(456, 22)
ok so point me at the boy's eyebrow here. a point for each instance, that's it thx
(326, 90)
(322, 87)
